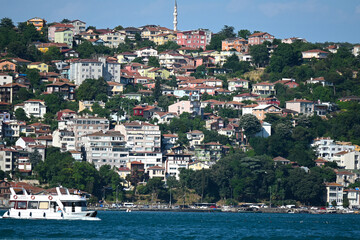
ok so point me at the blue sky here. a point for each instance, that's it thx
(315, 20)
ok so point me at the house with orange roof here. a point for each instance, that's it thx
(346, 178)
(115, 88)
(334, 194)
(347, 159)
(264, 88)
(54, 27)
(42, 67)
(302, 106)
(353, 195)
(6, 66)
(66, 89)
(289, 82)
(237, 84)
(245, 97)
(164, 117)
(195, 138)
(315, 53)
(163, 38)
(320, 162)
(198, 165)
(281, 161)
(169, 140)
(261, 111)
(320, 80)
(39, 23)
(239, 44)
(248, 109)
(156, 171)
(260, 38)
(212, 103)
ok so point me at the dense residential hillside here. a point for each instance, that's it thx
(137, 113)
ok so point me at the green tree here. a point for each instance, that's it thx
(153, 62)
(244, 33)
(35, 158)
(157, 90)
(21, 115)
(259, 54)
(250, 124)
(90, 88)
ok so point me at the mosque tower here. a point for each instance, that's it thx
(175, 17)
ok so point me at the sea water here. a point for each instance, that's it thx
(181, 225)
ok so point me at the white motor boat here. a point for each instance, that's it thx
(61, 205)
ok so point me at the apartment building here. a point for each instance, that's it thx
(334, 193)
(194, 39)
(141, 136)
(326, 148)
(84, 69)
(82, 126)
(105, 148)
(33, 108)
(176, 160)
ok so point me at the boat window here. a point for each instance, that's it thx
(53, 205)
(77, 204)
(33, 205)
(12, 204)
(21, 205)
(43, 205)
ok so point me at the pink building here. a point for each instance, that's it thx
(194, 39)
(259, 38)
(53, 28)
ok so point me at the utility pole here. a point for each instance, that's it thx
(117, 194)
(270, 196)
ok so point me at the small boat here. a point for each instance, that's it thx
(61, 205)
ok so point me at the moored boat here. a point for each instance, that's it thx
(60, 205)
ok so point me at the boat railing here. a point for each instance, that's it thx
(14, 193)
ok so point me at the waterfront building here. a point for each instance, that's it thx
(105, 148)
(334, 194)
(141, 136)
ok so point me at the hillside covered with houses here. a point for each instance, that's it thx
(228, 116)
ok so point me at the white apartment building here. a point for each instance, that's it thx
(141, 136)
(334, 192)
(195, 137)
(82, 126)
(354, 197)
(5, 79)
(64, 139)
(7, 159)
(33, 108)
(85, 69)
(347, 159)
(106, 148)
(326, 148)
(175, 161)
(149, 159)
(111, 70)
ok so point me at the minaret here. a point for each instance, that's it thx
(175, 17)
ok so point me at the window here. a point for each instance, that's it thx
(33, 205)
(21, 205)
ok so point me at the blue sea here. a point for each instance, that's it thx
(178, 225)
